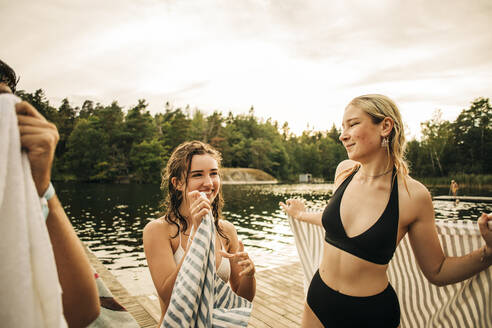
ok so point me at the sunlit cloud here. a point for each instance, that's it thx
(299, 62)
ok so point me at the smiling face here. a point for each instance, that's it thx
(192, 166)
(203, 176)
(361, 137)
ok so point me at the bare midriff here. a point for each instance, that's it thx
(351, 275)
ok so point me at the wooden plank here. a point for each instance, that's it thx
(152, 306)
(130, 303)
(474, 199)
(279, 300)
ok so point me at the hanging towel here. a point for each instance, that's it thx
(30, 294)
(466, 304)
(309, 243)
(200, 298)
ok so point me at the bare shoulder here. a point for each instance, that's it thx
(344, 167)
(415, 200)
(230, 232)
(158, 227)
(227, 227)
(417, 192)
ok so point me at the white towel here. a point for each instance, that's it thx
(30, 294)
(200, 298)
(465, 304)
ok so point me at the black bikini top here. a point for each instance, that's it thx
(378, 243)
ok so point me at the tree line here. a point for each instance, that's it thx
(107, 143)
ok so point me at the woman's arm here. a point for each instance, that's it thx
(159, 255)
(242, 280)
(79, 291)
(440, 269)
(296, 209)
(158, 251)
(80, 297)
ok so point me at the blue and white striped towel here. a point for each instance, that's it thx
(200, 298)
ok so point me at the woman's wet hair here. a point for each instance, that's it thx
(379, 107)
(8, 76)
(178, 167)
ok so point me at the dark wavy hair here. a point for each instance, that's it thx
(7, 76)
(178, 166)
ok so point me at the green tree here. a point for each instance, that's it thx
(40, 102)
(198, 128)
(473, 138)
(148, 158)
(173, 126)
(87, 109)
(436, 136)
(139, 123)
(89, 150)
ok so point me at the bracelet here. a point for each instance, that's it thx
(48, 194)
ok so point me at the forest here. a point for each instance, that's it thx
(108, 143)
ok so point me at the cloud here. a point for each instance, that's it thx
(285, 57)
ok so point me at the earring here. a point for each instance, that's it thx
(384, 142)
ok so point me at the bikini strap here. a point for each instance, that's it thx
(221, 245)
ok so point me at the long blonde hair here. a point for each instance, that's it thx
(378, 107)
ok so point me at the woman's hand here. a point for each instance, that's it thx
(39, 138)
(293, 207)
(199, 207)
(242, 259)
(484, 224)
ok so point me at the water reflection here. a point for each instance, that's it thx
(255, 212)
(110, 219)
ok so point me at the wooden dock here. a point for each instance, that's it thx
(129, 302)
(473, 199)
(279, 299)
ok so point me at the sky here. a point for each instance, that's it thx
(299, 62)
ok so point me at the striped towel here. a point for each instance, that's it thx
(464, 304)
(200, 298)
(309, 240)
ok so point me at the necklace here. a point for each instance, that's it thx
(377, 175)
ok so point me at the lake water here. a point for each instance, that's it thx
(109, 218)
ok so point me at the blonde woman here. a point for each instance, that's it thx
(374, 205)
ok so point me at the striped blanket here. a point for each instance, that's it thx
(200, 298)
(464, 304)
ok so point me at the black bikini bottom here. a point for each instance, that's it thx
(334, 309)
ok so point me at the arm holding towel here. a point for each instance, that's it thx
(80, 297)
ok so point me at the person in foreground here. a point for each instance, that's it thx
(39, 138)
(374, 205)
(193, 168)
